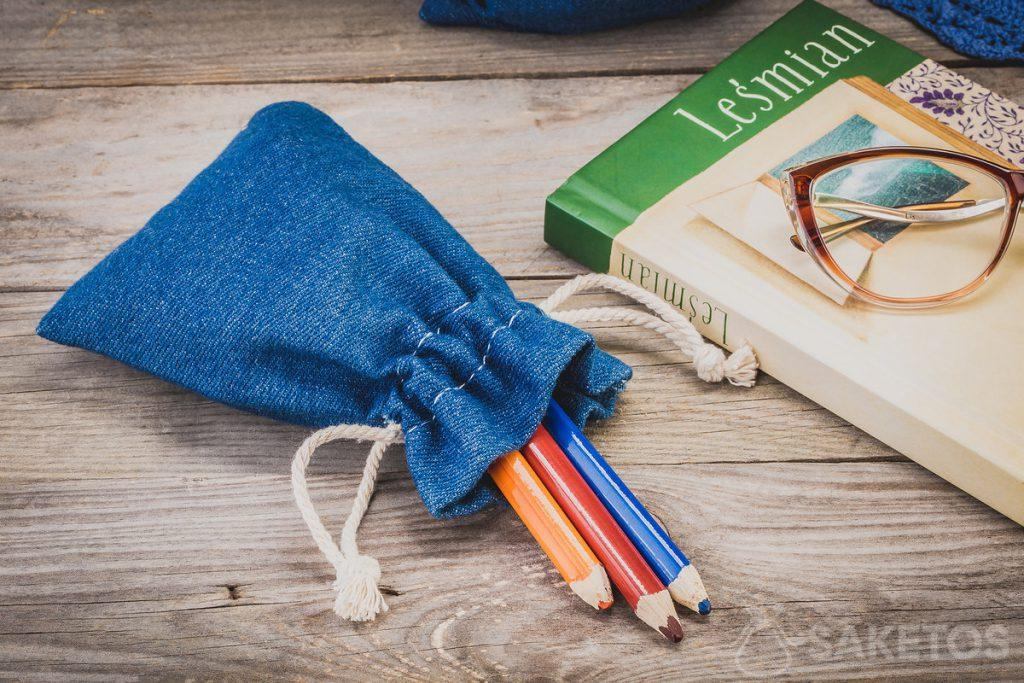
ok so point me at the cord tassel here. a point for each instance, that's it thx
(359, 597)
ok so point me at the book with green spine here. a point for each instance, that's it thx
(687, 205)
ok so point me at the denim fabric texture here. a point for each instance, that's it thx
(300, 278)
(551, 16)
(990, 29)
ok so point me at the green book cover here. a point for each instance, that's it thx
(689, 206)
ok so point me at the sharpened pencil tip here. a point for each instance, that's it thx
(672, 630)
(595, 589)
(688, 590)
(656, 610)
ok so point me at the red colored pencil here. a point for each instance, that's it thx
(626, 567)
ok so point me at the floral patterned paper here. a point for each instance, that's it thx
(985, 117)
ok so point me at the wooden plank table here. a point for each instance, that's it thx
(147, 532)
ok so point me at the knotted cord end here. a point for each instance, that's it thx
(359, 597)
(712, 365)
(741, 367)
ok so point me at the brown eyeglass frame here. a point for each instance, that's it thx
(798, 183)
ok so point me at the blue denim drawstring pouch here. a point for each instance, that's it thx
(299, 278)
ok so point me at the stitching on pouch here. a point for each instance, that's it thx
(427, 335)
(483, 363)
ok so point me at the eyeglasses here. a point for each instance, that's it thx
(904, 227)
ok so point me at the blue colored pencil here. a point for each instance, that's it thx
(664, 556)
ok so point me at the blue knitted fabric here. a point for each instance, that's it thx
(300, 278)
(990, 29)
(551, 16)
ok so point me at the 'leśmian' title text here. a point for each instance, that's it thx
(782, 81)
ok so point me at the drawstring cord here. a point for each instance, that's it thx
(710, 362)
(358, 598)
(358, 595)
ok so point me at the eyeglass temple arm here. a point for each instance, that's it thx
(920, 213)
(935, 212)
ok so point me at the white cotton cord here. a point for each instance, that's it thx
(358, 593)
(710, 362)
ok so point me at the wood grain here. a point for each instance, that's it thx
(65, 43)
(83, 169)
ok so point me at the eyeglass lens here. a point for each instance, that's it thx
(910, 226)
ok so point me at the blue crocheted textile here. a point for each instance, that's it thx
(300, 278)
(551, 16)
(991, 29)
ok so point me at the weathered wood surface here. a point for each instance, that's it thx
(83, 169)
(100, 161)
(149, 532)
(56, 43)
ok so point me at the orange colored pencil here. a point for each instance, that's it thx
(571, 555)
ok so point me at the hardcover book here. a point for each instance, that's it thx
(688, 205)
